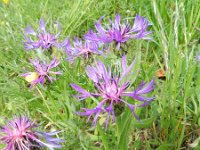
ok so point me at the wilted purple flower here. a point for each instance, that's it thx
(80, 48)
(118, 32)
(112, 89)
(42, 38)
(21, 134)
(42, 72)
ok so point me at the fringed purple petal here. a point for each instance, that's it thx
(65, 44)
(83, 93)
(110, 111)
(95, 111)
(117, 22)
(54, 63)
(29, 30)
(126, 69)
(91, 36)
(26, 74)
(99, 27)
(91, 73)
(132, 108)
(42, 25)
(58, 72)
(139, 28)
(146, 89)
(142, 89)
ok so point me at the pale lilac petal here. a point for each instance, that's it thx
(117, 21)
(65, 44)
(91, 36)
(42, 25)
(132, 108)
(99, 27)
(138, 94)
(83, 93)
(54, 63)
(29, 30)
(91, 74)
(126, 69)
(148, 88)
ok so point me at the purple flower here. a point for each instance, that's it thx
(80, 48)
(120, 33)
(42, 73)
(40, 38)
(21, 134)
(112, 89)
(198, 57)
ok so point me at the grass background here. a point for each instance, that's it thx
(172, 121)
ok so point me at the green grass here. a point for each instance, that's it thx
(172, 121)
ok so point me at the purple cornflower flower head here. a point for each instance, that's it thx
(42, 73)
(21, 134)
(80, 48)
(42, 38)
(112, 89)
(119, 33)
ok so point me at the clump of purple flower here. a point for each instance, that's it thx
(21, 134)
(40, 38)
(112, 89)
(118, 32)
(43, 71)
(81, 48)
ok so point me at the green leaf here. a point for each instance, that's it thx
(103, 137)
(164, 146)
(145, 123)
(123, 125)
